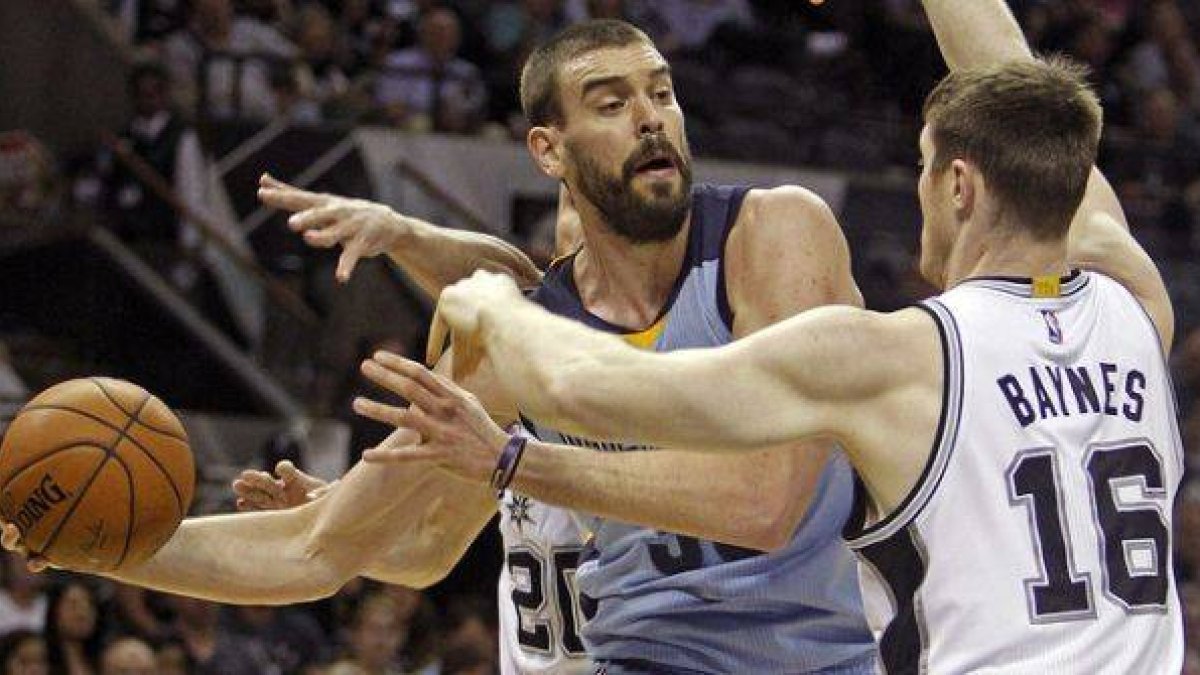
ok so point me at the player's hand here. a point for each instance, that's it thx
(288, 487)
(362, 228)
(458, 313)
(456, 432)
(11, 540)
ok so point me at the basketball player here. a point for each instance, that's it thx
(607, 98)
(666, 266)
(1015, 436)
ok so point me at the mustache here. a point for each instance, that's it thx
(649, 147)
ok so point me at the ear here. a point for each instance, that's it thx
(966, 188)
(545, 145)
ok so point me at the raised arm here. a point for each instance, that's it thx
(984, 32)
(432, 256)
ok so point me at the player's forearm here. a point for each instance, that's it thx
(454, 513)
(435, 257)
(748, 501)
(973, 33)
(246, 558)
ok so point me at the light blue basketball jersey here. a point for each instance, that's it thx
(659, 602)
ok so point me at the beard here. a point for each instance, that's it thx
(639, 219)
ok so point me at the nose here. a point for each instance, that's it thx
(648, 117)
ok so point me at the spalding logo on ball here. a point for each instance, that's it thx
(96, 473)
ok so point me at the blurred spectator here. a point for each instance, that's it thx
(324, 73)
(290, 637)
(23, 652)
(378, 632)
(687, 26)
(226, 61)
(583, 10)
(28, 181)
(212, 649)
(73, 633)
(511, 30)
(145, 20)
(469, 638)
(1152, 170)
(128, 656)
(428, 86)
(163, 140)
(22, 599)
(139, 612)
(172, 659)
(418, 655)
(1166, 57)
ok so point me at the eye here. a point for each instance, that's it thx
(665, 95)
(612, 106)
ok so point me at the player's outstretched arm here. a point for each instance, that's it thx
(309, 552)
(976, 33)
(983, 33)
(740, 505)
(433, 256)
(788, 381)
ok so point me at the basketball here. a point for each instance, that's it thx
(96, 473)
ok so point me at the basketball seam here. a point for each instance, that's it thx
(32, 463)
(132, 507)
(109, 454)
(112, 427)
(112, 399)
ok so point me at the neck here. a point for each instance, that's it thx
(623, 283)
(1004, 254)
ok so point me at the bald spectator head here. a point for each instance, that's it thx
(441, 34)
(128, 656)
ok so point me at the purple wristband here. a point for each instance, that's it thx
(506, 465)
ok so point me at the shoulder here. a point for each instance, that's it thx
(786, 253)
(786, 216)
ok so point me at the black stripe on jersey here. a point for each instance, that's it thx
(899, 561)
(1022, 287)
(856, 532)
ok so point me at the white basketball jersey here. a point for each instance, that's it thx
(1038, 539)
(540, 614)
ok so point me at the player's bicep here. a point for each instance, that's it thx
(790, 381)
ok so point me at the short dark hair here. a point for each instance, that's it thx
(539, 77)
(1032, 128)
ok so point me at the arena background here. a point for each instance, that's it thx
(153, 262)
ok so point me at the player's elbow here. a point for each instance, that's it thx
(327, 562)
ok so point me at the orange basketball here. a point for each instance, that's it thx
(96, 473)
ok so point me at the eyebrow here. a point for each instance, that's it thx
(591, 85)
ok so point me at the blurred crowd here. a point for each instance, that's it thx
(64, 624)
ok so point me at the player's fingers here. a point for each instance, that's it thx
(256, 481)
(439, 330)
(11, 538)
(396, 416)
(347, 261)
(410, 453)
(288, 199)
(416, 371)
(330, 236)
(401, 383)
(316, 217)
